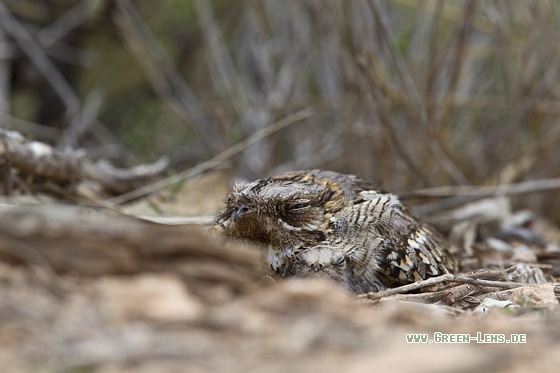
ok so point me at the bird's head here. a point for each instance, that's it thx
(281, 210)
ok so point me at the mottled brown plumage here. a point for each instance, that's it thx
(331, 263)
(327, 215)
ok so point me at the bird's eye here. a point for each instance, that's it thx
(339, 261)
(299, 206)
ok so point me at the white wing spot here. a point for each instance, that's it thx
(413, 244)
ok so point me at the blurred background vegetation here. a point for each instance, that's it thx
(407, 93)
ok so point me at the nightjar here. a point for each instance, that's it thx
(308, 217)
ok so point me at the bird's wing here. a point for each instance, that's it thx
(396, 244)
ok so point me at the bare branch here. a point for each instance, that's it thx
(83, 122)
(166, 80)
(220, 158)
(5, 75)
(220, 55)
(438, 280)
(390, 126)
(70, 20)
(33, 50)
(413, 93)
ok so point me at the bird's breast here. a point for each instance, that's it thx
(277, 256)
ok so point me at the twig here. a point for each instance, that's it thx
(80, 124)
(166, 80)
(389, 124)
(53, 76)
(222, 58)
(530, 186)
(451, 13)
(433, 48)
(32, 49)
(406, 77)
(225, 155)
(50, 36)
(67, 22)
(38, 131)
(5, 73)
(438, 280)
(458, 58)
(437, 127)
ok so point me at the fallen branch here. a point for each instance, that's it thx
(438, 280)
(71, 240)
(40, 160)
(463, 296)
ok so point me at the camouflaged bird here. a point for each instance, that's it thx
(382, 244)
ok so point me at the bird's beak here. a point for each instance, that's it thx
(317, 267)
(243, 210)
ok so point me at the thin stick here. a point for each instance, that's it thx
(410, 88)
(437, 280)
(225, 155)
(5, 73)
(64, 24)
(168, 83)
(36, 54)
(530, 186)
(388, 122)
(221, 56)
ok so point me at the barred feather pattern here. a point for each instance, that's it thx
(325, 224)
